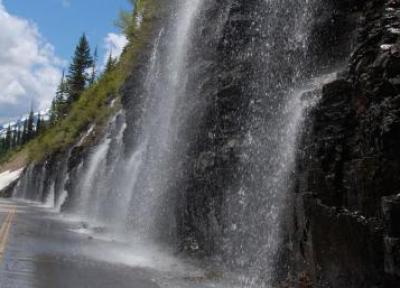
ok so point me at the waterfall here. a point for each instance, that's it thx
(61, 201)
(126, 191)
(203, 153)
(50, 201)
(89, 189)
(256, 206)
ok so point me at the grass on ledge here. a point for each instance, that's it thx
(94, 107)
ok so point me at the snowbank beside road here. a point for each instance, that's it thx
(9, 177)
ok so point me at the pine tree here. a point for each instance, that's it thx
(77, 76)
(53, 112)
(38, 125)
(25, 132)
(93, 76)
(3, 149)
(14, 139)
(111, 62)
(8, 142)
(30, 132)
(61, 97)
(126, 18)
(19, 136)
(59, 104)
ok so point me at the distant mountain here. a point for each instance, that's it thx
(44, 116)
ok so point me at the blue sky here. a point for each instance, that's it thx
(62, 22)
(38, 39)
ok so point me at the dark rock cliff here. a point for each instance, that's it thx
(232, 90)
(349, 168)
(346, 213)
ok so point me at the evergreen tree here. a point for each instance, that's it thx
(77, 76)
(38, 125)
(25, 132)
(30, 131)
(111, 63)
(14, 142)
(3, 149)
(8, 141)
(19, 136)
(60, 100)
(93, 76)
(62, 88)
(53, 112)
(58, 107)
(126, 18)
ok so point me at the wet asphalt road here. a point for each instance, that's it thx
(42, 249)
(42, 252)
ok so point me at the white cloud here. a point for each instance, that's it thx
(114, 44)
(29, 69)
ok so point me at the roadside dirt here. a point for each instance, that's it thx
(17, 162)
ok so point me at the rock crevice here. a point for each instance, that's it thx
(349, 168)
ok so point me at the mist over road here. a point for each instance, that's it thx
(43, 250)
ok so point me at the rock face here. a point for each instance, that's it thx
(345, 213)
(349, 168)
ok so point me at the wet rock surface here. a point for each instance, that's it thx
(8, 191)
(349, 168)
(345, 228)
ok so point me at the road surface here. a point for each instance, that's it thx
(40, 249)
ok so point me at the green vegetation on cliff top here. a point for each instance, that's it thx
(94, 105)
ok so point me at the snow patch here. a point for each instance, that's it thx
(9, 177)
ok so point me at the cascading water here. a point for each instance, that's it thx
(135, 187)
(50, 201)
(205, 155)
(89, 190)
(256, 206)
